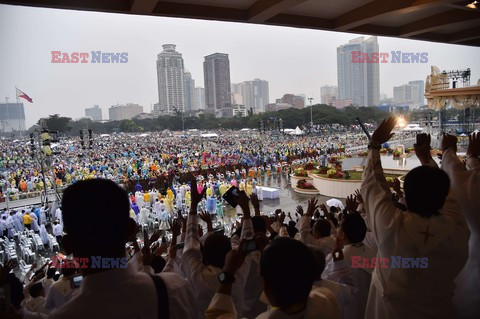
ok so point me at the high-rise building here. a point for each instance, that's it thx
(170, 73)
(199, 99)
(418, 92)
(216, 71)
(358, 81)
(328, 93)
(124, 112)
(95, 113)
(12, 117)
(256, 95)
(412, 93)
(188, 91)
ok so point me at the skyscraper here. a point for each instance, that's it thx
(328, 93)
(12, 117)
(188, 91)
(170, 73)
(95, 113)
(253, 94)
(358, 81)
(199, 99)
(411, 93)
(256, 95)
(216, 71)
(418, 92)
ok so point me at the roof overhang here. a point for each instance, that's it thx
(446, 21)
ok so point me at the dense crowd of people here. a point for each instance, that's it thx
(391, 252)
(160, 159)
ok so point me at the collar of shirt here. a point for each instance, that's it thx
(106, 278)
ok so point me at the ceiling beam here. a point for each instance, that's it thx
(186, 10)
(464, 35)
(371, 11)
(297, 21)
(436, 21)
(143, 6)
(262, 10)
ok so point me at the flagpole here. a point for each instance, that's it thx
(19, 126)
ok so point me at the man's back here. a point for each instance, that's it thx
(116, 293)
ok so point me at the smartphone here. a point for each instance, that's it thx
(164, 240)
(231, 196)
(250, 245)
(4, 298)
(76, 281)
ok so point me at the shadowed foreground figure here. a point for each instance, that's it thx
(97, 224)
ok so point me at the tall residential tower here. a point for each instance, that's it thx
(359, 82)
(216, 71)
(170, 74)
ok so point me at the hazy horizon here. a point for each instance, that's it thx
(292, 60)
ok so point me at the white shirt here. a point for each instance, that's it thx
(466, 185)
(36, 305)
(406, 292)
(125, 294)
(204, 279)
(59, 293)
(57, 230)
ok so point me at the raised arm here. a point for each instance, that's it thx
(382, 215)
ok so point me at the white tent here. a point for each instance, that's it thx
(209, 135)
(297, 131)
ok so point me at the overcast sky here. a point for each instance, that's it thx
(292, 60)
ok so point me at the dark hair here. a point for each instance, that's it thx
(215, 249)
(426, 189)
(104, 202)
(51, 272)
(292, 229)
(35, 290)
(319, 258)
(288, 269)
(259, 224)
(158, 263)
(354, 227)
(56, 277)
(16, 290)
(69, 268)
(323, 227)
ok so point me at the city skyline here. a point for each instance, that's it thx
(255, 51)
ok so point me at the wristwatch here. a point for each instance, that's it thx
(226, 278)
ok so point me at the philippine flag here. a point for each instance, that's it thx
(24, 96)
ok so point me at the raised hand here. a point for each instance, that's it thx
(176, 227)
(235, 259)
(300, 210)
(312, 206)
(473, 144)
(449, 141)
(200, 231)
(337, 252)
(397, 188)
(358, 197)
(196, 198)
(351, 204)
(244, 203)
(255, 204)
(281, 218)
(383, 133)
(155, 236)
(422, 148)
(207, 219)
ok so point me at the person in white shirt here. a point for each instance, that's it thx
(110, 289)
(465, 181)
(61, 290)
(58, 231)
(58, 215)
(288, 270)
(433, 234)
(36, 302)
(351, 234)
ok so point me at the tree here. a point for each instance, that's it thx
(57, 123)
